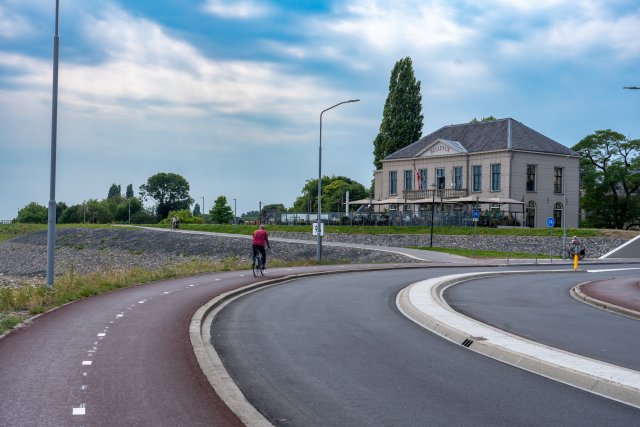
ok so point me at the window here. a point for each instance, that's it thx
(423, 179)
(477, 178)
(557, 214)
(457, 178)
(495, 177)
(531, 177)
(440, 178)
(393, 182)
(408, 180)
(531, 214)
(557, 180)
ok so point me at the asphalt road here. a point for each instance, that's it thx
(335, 351)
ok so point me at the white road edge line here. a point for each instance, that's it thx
(422, 302)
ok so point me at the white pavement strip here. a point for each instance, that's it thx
(421, 297)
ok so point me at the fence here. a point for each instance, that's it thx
(421, 218)
(5, 221)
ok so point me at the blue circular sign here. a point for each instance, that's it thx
(551, 222)
(475, 214)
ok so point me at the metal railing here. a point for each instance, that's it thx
(443, 193)
(399, 218)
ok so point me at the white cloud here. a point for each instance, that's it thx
(385, 26)
(230, 9)
(12, 25)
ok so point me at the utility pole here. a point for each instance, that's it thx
(51, 228)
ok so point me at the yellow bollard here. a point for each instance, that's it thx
(575, 262)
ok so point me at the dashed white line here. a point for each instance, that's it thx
(102, 334)
(81, 410)
(86, 363)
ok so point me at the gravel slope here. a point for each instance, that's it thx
(86, 250)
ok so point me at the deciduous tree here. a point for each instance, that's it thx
(33, 213)
(610, 175)
(169, 190)
(221, 212)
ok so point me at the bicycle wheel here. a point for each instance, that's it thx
(261, 265)
(581, 254)
(255, 267)
(566, 254)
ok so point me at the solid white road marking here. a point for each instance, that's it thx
(612, 269)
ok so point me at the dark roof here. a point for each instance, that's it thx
(486, 136)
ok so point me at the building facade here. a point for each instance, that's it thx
(500, 167)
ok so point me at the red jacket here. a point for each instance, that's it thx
(260, 238)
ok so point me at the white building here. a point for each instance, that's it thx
(501, 167)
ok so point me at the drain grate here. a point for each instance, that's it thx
(467, 343)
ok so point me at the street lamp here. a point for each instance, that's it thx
(433, 209)
(51, 227)
(319, 241)
(632, 87)
(234, 212)
(202, 210)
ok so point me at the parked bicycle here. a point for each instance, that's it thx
(571, 250)
(258, 264)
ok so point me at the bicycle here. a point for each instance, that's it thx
(571, 250)
(258, 264)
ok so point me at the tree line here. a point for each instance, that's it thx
(170, 194)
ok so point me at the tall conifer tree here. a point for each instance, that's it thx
(402, 117)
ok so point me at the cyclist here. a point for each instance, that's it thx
(260, 239)
(576, 246)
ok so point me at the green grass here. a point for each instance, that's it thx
(483, 253)
(38, 298)
(249, 229)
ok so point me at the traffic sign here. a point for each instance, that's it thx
(475, 214)
(551, 222)
(315, 229)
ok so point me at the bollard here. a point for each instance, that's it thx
(575, 262)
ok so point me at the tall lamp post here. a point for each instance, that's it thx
(234, 212)
(433, 210)
(51, 228)
(319, 241)
(202, 209)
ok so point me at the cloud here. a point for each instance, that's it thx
(149, 79)
(244, 9)
(12, 25)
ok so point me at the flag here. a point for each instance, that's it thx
(417, 177)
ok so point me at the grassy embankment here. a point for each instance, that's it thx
(19, 302)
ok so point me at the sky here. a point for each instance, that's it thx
(228, 94)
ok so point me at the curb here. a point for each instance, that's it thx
(596, 377)
(577, 293)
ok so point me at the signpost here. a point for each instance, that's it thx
(550, 223)
(475, 215)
